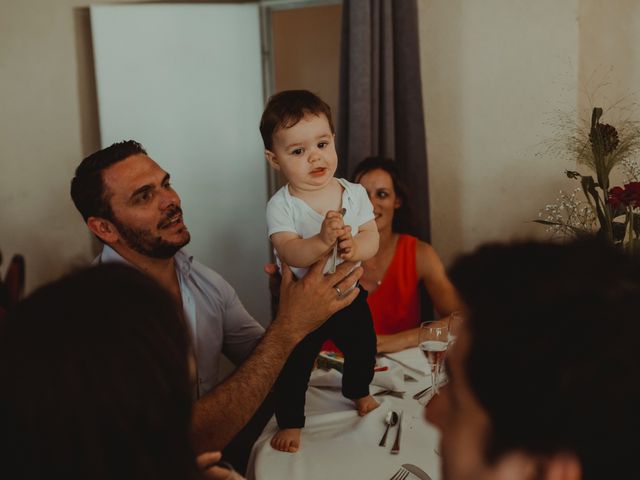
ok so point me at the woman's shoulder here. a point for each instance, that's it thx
(425, 249)
(427, 259)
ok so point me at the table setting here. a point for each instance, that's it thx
(337, 443)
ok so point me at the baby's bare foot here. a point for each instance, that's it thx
(365, 404)
(287, 440)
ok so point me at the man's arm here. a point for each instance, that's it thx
(304, 306)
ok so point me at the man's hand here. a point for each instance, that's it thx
(305, 304)
(210, 469)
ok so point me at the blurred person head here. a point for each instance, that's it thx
(542, 378)
(128, 202)
(95, 376)
(380, 178)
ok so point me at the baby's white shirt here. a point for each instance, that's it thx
(286, 213)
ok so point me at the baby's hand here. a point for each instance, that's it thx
(332, 228)
(346, 245)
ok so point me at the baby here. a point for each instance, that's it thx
(312, 215)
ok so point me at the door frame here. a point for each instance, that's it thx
(266, 8)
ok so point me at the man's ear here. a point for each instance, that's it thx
(103, 229)
(563, 466)
(272, 159)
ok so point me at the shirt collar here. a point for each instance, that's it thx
(183, 260)
(345, 194)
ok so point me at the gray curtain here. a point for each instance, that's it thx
(380, 110)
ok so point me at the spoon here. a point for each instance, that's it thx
(391, 419)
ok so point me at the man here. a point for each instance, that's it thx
(127, 201)
(543, 381)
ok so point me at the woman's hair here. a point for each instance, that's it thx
(402, 218)
(95, 377)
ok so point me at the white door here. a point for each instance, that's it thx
(186, 82)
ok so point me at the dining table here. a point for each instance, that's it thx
(338, 443)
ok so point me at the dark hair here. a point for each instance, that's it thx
(555, 340)
(95, 379)
(287, 108)
(402, 217)
(87, 187)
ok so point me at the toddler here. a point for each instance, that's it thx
(316, 213)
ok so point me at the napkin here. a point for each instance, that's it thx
(391, 378)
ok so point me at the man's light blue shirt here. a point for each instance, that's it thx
(218, 320)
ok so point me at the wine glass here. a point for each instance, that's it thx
(456, 319)
(433, 342)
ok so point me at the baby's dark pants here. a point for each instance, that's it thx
(351, 329)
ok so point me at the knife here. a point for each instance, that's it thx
(418, 472)
(396, 444)
(422, 393)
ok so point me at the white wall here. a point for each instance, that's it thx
(48, 124)
(186, 81)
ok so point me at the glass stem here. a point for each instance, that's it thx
(434, 379)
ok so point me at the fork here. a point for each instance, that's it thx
(401, 474)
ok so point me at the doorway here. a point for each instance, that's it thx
(301, 44)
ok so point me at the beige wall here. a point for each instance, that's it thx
(47, 124)
(609, 69)
(494, 73)
(306, 46)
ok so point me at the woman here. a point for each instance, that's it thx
(392, 276)
(97, 384)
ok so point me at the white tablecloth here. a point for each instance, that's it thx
(337, 443)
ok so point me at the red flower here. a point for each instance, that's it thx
(627, 196)
(616, 196)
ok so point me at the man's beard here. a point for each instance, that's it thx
(144, 242)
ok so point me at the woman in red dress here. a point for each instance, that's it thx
(393, 275)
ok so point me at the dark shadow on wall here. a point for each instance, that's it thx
(87, 93)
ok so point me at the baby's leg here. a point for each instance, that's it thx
(290, 389)
(354, 335)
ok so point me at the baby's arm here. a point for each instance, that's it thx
(303, 252)
(361, 247)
